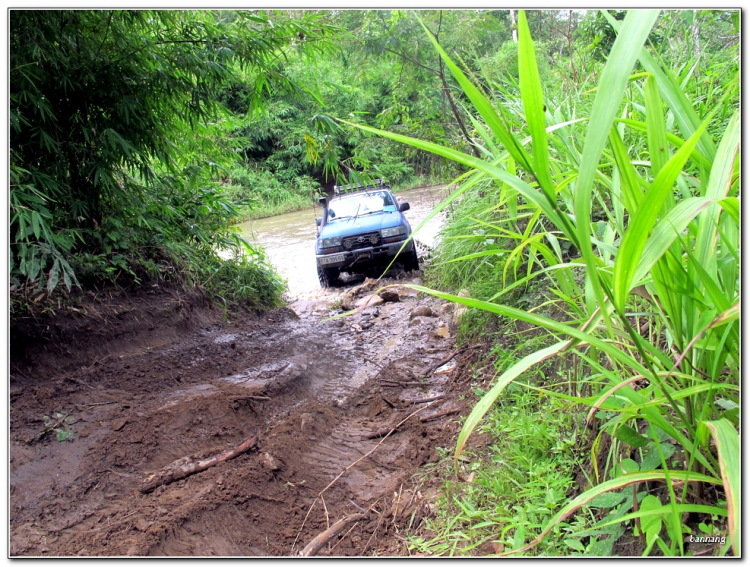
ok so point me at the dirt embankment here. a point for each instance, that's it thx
(141, 382)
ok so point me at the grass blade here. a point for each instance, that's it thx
(728, 446)
(612, 84)
(533, 105)
(642, 224)
(687, 119)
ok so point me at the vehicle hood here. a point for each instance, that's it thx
(367, 223)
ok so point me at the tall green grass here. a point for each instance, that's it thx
(649, 214)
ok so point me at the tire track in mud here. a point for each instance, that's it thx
(323, 379)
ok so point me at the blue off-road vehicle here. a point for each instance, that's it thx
(363, 227)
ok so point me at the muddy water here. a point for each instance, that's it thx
(290, 239)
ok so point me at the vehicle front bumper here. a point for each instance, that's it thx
(363, 256)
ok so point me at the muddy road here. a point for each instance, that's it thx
(339, 414)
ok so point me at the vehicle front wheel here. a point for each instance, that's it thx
(327, 276)
(412, 261)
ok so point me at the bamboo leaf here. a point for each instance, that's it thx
(533, 105)
(655, 129)
(642, 224)
(727, 443)
(612, 83)
(485, 109)
(675, 98)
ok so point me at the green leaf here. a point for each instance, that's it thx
(575, 544)
(612, 82)
(675, 98)
(652, 459)
(533, 105)
(653, 415)
(625, 467)
(667, 230)
(485, 109)
(631, 437)
(608, 500)
(54, 275)
(727, 443)
(641, 226)
(656, 130)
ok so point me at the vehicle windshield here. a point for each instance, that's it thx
(360, 204)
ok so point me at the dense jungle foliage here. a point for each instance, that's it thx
(594, 237)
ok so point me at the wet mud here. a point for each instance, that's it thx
(321, 396)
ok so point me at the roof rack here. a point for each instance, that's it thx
(355, 188)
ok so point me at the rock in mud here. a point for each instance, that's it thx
(370, 301)
(118, 424)
(389, 295)
(142, 525)
(270, 462)
(421, 311)
(416, 321)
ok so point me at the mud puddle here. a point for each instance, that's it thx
(319, 396)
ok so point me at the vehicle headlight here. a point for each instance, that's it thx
(330, 242)
(396, 230)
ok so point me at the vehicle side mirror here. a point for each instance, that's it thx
(404, 207)
(318, 221)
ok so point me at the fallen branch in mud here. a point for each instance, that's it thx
(397, 383)
(184, 467)
(437, 415)
(424, 400)
(330, 551)
(437, 365)
(324, 537)
(261, 398)
(320, 494)
(378, 433)
(387, 401)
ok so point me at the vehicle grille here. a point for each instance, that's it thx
(361, 241)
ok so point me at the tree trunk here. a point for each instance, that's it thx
(514, 25)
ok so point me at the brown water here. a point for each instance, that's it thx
(289, 239)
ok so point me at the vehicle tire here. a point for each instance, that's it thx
(327, 276)
(412, 261)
